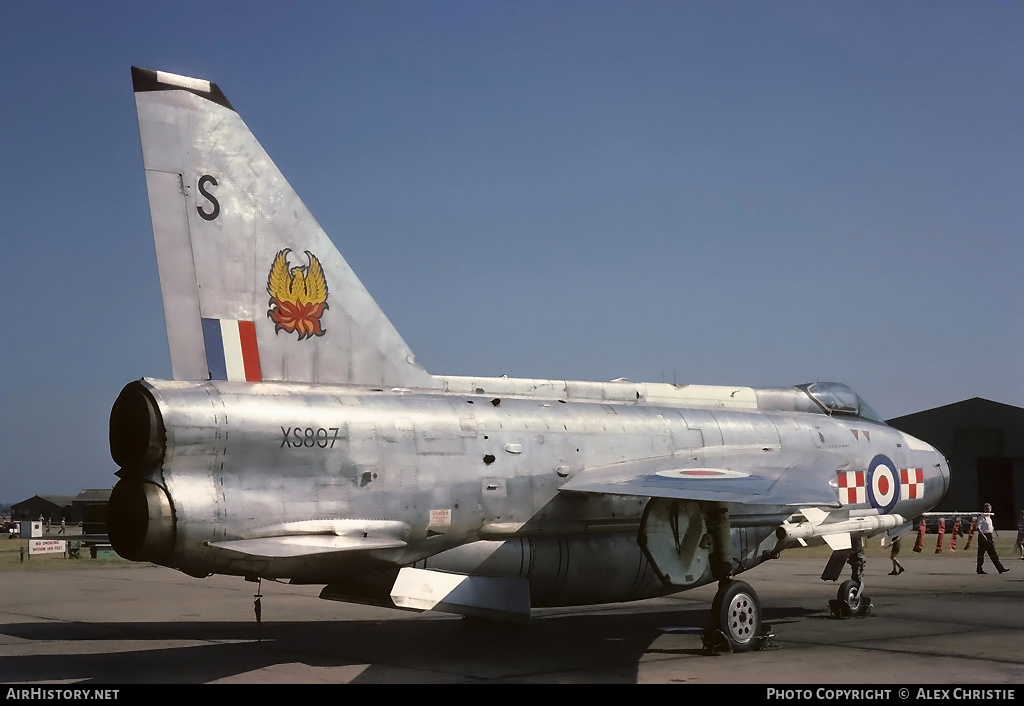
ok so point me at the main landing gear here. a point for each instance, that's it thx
(736, 610)
(735, 620)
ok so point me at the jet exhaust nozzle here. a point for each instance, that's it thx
(138, 438)
(140, 521)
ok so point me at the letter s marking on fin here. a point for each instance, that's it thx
(203, 181)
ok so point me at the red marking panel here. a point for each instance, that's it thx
(852, 489)
(250, 351)
(911, 483)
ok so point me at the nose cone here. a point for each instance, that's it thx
(943, 468)
(935, 466)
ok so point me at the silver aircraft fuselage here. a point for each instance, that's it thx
(437, 471)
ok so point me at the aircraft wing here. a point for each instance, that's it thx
(798, 478)
(293, 546)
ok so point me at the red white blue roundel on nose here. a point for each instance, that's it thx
(883, 483)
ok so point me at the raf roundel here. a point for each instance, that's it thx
(883, 484)
(702, 473)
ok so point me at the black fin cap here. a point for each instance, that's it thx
(145, 80)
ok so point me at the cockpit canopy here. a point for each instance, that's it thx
(839, 399)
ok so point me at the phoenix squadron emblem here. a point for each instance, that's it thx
(298, 296)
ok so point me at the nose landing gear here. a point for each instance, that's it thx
(850, 601)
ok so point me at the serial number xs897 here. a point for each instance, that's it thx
(308, 437)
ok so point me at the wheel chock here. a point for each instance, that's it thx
(715, 642)
(840, 610)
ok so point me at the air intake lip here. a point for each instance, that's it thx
(138, 438)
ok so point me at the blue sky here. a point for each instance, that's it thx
(718, 193)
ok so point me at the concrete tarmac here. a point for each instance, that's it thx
(938, 623)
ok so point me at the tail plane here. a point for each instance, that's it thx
(253, 289)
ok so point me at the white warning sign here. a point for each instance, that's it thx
(47, 546)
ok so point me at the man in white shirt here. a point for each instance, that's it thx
(985, 543)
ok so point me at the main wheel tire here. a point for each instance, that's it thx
(851, 593)
(736, 611)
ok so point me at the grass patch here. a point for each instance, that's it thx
(12, 559)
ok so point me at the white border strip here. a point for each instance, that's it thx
(194, 84)
(232, 349)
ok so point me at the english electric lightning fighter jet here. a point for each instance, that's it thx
(299, 439)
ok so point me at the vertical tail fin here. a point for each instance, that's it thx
(253, 289)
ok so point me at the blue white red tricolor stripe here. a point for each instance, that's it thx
(231, 350)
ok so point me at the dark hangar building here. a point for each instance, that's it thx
(52, 507)
(984, 444)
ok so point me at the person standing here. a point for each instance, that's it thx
(1020, 535)
(894, 550)
(985, 541)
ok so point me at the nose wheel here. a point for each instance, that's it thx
(850, 595)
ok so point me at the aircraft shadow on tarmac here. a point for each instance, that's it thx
(447, 649)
